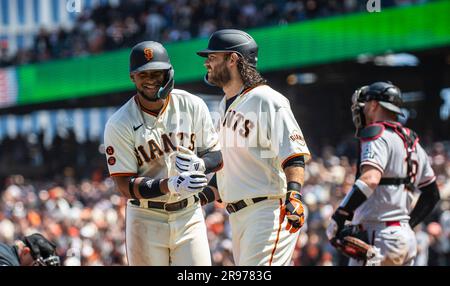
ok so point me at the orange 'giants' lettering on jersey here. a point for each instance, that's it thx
(167, 143)
(192, 146)
(295, 136)
(247, 126)
(235, 119)
(138, 157)
(155, 150)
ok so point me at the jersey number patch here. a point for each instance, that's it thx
(414, 169)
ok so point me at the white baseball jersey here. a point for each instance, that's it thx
(139, 142)
(391, 202)
(258, 134)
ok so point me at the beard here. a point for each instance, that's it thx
(221, 76)
(150, 96)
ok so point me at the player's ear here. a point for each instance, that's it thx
(132, 77)
(25, 257)
(234, 58)
(376, 105)
(26, 250)
(371, 105)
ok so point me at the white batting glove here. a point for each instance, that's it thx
(190, 182)
(187, 161)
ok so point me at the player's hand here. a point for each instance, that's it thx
(293, 210)
(337, 222)
(190, 182)
(187, 161)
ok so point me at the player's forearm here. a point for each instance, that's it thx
(361, 191)
(163, 186)
(427, 200)
(371, 176)
(209, 195)
(352, 200)
(141, 187)
(122, 186)
(295, 174)
(213, 161)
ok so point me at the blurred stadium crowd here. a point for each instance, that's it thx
(109, 27)
(65, 156)
(86, 216)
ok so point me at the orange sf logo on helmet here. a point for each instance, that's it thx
(148, 54)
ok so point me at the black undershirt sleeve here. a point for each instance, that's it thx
(298, 161)
(425, 204)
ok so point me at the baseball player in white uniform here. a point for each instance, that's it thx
(263, 150)
(159, 145)
(392, 166)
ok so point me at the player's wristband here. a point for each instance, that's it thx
(131, 188)
(298, 161)
(149, 188)
(294, 186)
(206, 196)
(353, 200)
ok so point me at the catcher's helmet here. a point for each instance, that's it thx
(42, 250)
(151, 55)
(230, 40)
(386, 93)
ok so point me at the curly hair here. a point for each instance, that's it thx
(250, 76)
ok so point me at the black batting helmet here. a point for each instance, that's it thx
(230, 40)
(151, 55)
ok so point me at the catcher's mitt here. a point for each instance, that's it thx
(353, 242)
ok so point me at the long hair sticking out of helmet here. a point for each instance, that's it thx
(249, 75)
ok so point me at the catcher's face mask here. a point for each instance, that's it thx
(52, 260)
(357, 108)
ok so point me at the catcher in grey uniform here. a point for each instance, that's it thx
(392, 165)
(32, 250)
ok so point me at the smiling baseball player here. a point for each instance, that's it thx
(264, 154)
(159, 145)
(392, 166)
